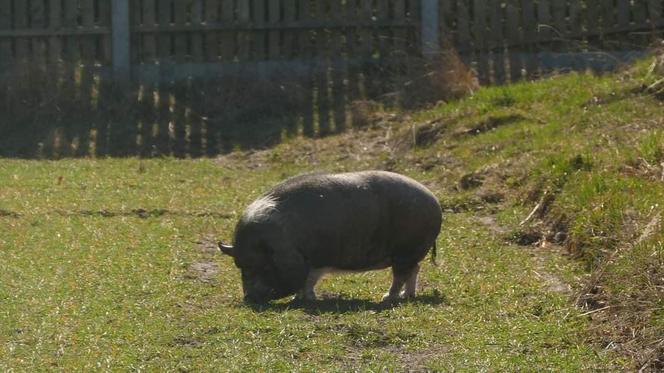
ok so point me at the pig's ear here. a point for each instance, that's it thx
(226, 249)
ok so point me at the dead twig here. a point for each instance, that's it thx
(536, 210)
(594, 311)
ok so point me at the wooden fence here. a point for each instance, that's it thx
(49, 31)
(178, 38)
(507, 39)
(200, 37)
(66, 106)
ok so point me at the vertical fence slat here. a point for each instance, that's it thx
(137, 52)
(365, 34)
(575, 19)
(530, 37)
(640, 12)
(87, 43)
(655, 9)
(463, 26)
(337, 35)
(211, 36)
(244, 37)
(149, 11)
(480, 39)
(382, 15)
(623, 9)
(544, 31)
(559, 22)
(324, 36)
(197, 36)
(289, 36)
(591, 18)
(227, 38)
(55, 41)
(180, 40)
(608, 15)
(447, 19)
(164, 39)
(497, 42)
(400, 34)
(38, 22)
(514, 35)
(6, 54)
(21, 23)
(72, 50)
(274, 38)
(258, 38)
(105, 53)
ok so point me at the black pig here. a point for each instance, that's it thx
(313, 224)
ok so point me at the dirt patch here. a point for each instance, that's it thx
(490, 222)
(471, 181)
(204, 271)
(525, 237)
(208, 245)
(185, 341)
(9, 214)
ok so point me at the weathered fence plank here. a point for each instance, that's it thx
(289, 36)
(21, 22)
(87, 21)
(6, 53)
(497, 39)
(258, 38)
(274, 38)
(196, 38)
(656, 11)
(227, 38)
(164, 39)
(149, 11)
(544, 24)
(514, 33)
(244, 37)
(226, 35)
(180, 42)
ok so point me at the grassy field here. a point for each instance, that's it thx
(111, 264)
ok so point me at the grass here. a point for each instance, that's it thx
(110, 263)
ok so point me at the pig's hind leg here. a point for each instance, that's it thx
(411, 283)
(400, 278)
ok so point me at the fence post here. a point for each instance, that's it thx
(120, 40)
(430, 27)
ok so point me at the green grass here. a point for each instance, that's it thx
(109, 264)
(85, 291)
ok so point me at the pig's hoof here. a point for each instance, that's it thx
(307, 296)
(390, 298)
(407, 295)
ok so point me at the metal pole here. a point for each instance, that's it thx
(430, 28)
(120, 40)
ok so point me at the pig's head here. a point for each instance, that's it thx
(270, 270)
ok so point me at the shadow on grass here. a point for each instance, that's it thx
(343, 305)
(43, 118)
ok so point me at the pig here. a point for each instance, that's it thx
(314, 224)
